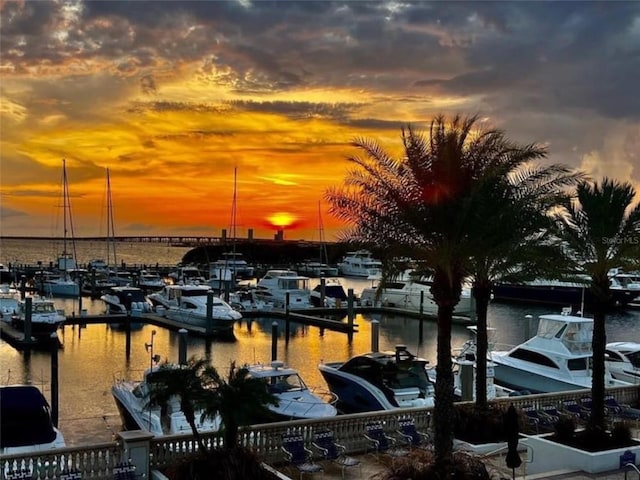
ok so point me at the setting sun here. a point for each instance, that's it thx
(282, 219)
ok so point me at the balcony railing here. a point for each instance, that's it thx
(151, 453)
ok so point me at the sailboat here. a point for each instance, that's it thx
(98, 281)
(60, 283)
(225, 272)
(320, 267)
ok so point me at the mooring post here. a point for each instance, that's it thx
(93, 283)
(274, 341)
(182, 346)
(54, 378)
(323, 292)
(287, 326)
(350, 313)
(209, 328)
(127, 335)
(80, 296)
(421, 320)
(23, 287)
(375, 335)
(28, 309)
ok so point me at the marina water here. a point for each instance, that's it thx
(90, 356)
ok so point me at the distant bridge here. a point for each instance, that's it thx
(179, 240)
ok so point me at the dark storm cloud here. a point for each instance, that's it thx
(560, 63)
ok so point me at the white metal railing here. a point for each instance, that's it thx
(97, 461)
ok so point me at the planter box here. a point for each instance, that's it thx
(549, 456)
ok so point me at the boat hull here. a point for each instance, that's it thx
(353, 395)
(575, 296)
(520, 379)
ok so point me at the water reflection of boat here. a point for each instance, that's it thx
(296, 401)
(380, 381)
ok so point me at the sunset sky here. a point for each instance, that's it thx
(173, 96)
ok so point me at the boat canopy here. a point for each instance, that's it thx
(26, 419)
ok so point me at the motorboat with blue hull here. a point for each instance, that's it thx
(26, 425)
(296, 401)
(558, 358)
(379, 381)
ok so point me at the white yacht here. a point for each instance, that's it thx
(26, 425)
(276, 285)
(45, 318)
(360, 263)
(132, 396)
(296, 401)
(623, 361)
(150, 281)
(187, 275)
(556, 359)
(188, 304)
(415, 295)
(235, 262)
(126, 299)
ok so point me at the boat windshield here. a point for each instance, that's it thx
(575, 336)
(44, 308)
(293, 283)
(285, 383)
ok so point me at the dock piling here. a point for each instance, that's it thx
(54, 379)
(182, 346)
(274, 341)
(375, 335)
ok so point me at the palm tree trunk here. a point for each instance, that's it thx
(482, 295)
(446, 292)
(598, 344)
(190, 417)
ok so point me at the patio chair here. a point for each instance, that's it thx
(382, 443)
(537, 419)
(334, 452)
(409, 433)
(572, 407)
(125, 471)
(620, 410)
(551, 411)
(71, 474)
(298, 455)
(19, 474)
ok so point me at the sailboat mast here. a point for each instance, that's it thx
(111, 234)
(66, 223)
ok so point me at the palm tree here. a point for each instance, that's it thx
(512, 237)
(423, 205)
(601, 231)
(184, 382)
(239, 399)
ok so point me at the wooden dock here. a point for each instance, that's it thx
(325, 318)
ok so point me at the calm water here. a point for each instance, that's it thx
(92, 355)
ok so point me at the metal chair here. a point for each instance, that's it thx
(71, 474)
(381, 442)
(410, 434)
(574, 408)
(324, 441)
(298, 455)
(125, 471)
(19, 474)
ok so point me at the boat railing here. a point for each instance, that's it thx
(152, 453)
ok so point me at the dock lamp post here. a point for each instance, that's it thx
(149, 348)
